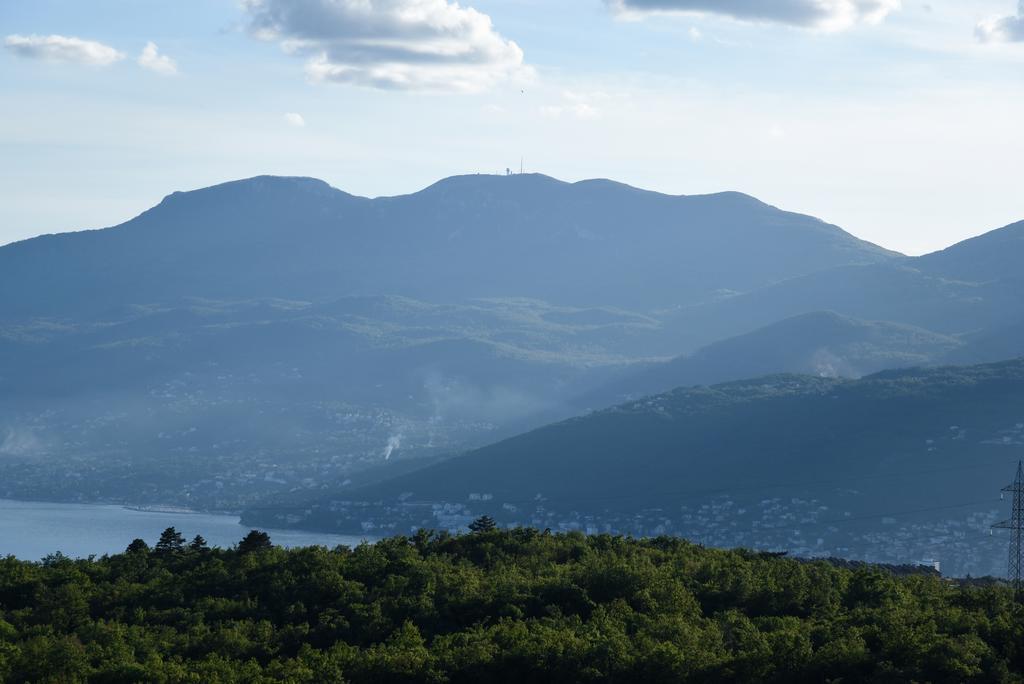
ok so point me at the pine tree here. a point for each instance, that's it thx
(170, 540)
(198, 543)
(256, 540)
(484, 523)
(137, 546)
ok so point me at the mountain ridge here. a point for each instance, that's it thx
(815, 343)
(534, 236)
(989, 256)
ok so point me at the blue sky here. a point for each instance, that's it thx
(899, 121)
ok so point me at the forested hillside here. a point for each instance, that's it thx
(895, 467)
(775, 428)
(496, 606)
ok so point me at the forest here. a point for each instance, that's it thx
(495, 605)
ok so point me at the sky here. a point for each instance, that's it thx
(900, 121)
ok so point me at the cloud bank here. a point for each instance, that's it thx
(1008, 29)
(391, 44)
(825, 15)
(151, 59)
(62, 49)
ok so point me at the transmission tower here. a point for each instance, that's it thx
(1015, 524)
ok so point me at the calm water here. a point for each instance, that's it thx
(31, 530)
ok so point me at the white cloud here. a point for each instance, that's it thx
(391, 44)
(150, 58)
(1006, 29)
(825, 15)
(62, 49)
(294, 119)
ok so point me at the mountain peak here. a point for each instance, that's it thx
(258, 185)
(476, 182)
(249, 201)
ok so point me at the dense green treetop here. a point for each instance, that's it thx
(502, 606)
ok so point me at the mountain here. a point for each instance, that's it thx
(277, 337)
(973, 288)
(273, 335)
(995, 255)
(463, 237)
(819, 343)
(899, 292)
(788, 459)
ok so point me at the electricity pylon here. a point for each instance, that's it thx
(1015, 524)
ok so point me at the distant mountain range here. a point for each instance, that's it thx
(593, 243)
(971, 287)
(278, 337)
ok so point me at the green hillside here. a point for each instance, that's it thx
(512, 606)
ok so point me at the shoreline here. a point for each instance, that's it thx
(31, 529)
(139, 508)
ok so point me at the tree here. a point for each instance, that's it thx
(484, 523)
(170, 540)
(198, 543)
(421, 540)
(137, 546)
(256, 540)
